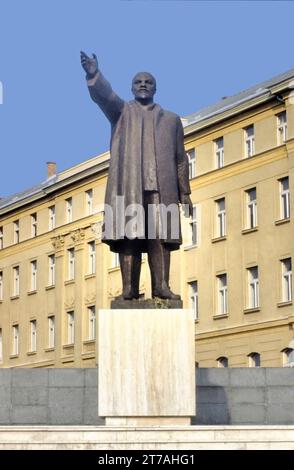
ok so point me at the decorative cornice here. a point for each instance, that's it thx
(78, 235)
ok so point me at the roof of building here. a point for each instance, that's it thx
(205, 113)
(234, 100)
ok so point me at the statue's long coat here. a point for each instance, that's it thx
(125, 171)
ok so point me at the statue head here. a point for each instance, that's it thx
(144, 87)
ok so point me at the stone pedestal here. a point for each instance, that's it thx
(146, 367)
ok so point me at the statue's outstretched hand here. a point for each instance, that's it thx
(89, 64)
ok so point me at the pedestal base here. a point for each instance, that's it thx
(146, 367)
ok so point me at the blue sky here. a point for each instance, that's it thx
(198, 51)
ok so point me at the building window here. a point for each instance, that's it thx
(219, 152)
(70, 327)
(115, 260)
(34, 226)
(33, 335)
(194, 226)
(71, 264)
(251, 215)
(89, 201)
(51, 217)
(1, 285)
(288, 357)
(92, 322)
(1, 238)
(221, 217)
(284, 198)
(16, 231)
(1, 346)
(282, 128)
(287, 279)
(15, 340)
(249, 141)
(222, 362)
(68, 209)
(222, 294)
(51, 273)
(92, 257)
(254, 359)
(193, 298)
(253, 287)
(192, 163)
(51, 331)
(33, 275)
(16, 280)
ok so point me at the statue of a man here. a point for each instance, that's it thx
(148, 168)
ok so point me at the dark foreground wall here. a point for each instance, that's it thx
(224, 396)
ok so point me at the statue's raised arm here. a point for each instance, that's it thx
(100, 89)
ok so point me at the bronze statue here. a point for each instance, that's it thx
(148, 168)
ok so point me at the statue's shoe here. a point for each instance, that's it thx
(165, 294)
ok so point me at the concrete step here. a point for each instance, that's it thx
(147, 438)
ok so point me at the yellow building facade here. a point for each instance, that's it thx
(234, 268)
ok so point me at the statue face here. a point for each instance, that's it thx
(143, 86)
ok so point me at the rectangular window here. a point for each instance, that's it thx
(115, 260)
(33, 335)
(92, 322)
(253, 287)
(92, 257)
(16, 280)
(71, 264)
(51, 331)
(221, 217)
(51, 211)
(15, 340)
(89, 201)
(222, 294)
(287, 279)
(193, 297)
(33, 275)
(194, 227)
(1, 285)
(34, 226)
(1, 346)
(251, 209)
(219, 152)
(16, 231)
(284, 198)
(70, 327)
(68, 209)
(192, 163)
(282, 127)
(249, 141)
(51, 272)
(1, 238)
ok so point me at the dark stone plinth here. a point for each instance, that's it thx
(149, 303)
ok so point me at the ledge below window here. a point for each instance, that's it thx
(284, 304)
(69, 281)
(49, 349)
(249, 230)
(220, 315)
(13, 356)
(13, 297)
(89, 276)
(52, 286)
(218, 239)
(32, 292)
(251, 310)
(189, 247)
(282, 221)
(31, 353)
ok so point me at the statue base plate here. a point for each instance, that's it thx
(137, 304)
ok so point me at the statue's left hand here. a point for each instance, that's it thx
(187, 205)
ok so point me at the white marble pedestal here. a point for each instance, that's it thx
(146, 367)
